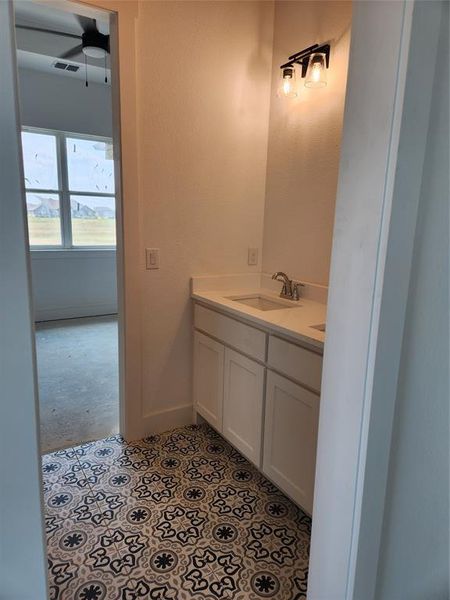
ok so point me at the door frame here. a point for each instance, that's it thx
(125, 143)
(382, 155)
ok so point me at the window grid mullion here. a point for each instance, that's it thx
(30, 190)
(63, 192)
(66, 219)
(94, 194)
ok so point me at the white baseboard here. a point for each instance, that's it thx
(163, 420)
(74, 312)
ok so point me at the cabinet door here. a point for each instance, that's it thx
(243, 404)
(290, 438)
(208, 379)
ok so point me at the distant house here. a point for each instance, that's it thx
(45, 207)
(81, 211)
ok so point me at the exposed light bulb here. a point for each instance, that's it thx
(287, 87)
(316, 72)
(316, 76)
(288, 83)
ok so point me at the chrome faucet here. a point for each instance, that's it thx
(290, 290)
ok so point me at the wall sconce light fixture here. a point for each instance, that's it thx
(288, 83)
(313, 62)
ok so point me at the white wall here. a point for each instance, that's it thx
(61, 102)
(304, 143)
(23, 563)
(203, 103)
(75, 283)
(69, 284)
(415, 542)
(203, 123)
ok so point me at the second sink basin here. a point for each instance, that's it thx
(262, 302)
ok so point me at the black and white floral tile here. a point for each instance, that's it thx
(177, 516)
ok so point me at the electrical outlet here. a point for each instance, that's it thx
(152, 258)
(252, 259)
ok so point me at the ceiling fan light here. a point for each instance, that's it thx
(94, 51)
(95, 44)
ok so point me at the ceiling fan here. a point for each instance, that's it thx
(93, 43)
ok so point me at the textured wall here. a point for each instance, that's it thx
(304, 144)
(203, 103)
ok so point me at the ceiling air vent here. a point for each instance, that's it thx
(65, 66)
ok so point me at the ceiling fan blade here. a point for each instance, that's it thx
(72, 52)
(52, 31)
(86, 23)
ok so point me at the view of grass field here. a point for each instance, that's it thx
(87, 196)
(45, 231)
(94, 232)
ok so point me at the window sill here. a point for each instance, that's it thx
(71, 253)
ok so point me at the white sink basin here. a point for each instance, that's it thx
(263, 302)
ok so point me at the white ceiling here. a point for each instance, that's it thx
(39, 51)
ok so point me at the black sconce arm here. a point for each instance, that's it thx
(302, 57)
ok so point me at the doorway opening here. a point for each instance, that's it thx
(72, 199)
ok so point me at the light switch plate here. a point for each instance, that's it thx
(152, 258)
(252, 259)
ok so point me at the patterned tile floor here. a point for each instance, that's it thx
(177, 516)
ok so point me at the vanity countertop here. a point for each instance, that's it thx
(296, 323)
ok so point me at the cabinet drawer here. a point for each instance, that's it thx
(247, 339)
(302, 365)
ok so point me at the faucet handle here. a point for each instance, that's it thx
(296, 291)
(280, 276)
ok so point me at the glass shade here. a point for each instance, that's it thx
(288, 83)
(316, 76)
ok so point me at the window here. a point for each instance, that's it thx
(69, 182)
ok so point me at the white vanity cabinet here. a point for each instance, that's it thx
(243, 404)
(261, 392)
(290, 438)
(208, 378)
